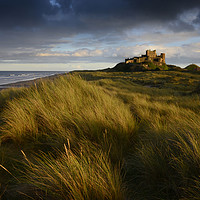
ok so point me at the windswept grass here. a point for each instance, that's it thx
(68, 108)
(132, 136)
(85, 174)
(9, 94)
(165, 161)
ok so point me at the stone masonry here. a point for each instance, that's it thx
(150, 56)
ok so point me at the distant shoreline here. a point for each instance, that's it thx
(27, 83)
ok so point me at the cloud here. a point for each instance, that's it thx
(65, 31)
(23, 13)
(187, 53)
(91, 14)
(78, 53)
(52, 54)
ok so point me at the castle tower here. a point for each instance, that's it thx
(154, 53)
(163, 57)
(151, 54)
(147, 53)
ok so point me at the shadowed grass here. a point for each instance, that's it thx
(69, 108)
(9, 94)
(146, 123)
(55, 106)
(165, 161)
(85, 174)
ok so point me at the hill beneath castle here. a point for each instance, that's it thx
(149, 62)
(132, 67)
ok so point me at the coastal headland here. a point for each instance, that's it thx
(101, 135)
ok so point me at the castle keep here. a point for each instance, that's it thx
(150, 56)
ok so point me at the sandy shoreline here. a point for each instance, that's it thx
(27, 83)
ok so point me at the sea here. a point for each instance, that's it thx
(7, 77)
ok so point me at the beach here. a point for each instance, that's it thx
(28, 83)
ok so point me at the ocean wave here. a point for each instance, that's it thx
(16, 76)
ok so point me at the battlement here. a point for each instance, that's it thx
(150, 56)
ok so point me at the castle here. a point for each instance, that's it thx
(150, 56)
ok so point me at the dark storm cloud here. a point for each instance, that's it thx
(31, 27)
(29, 13)
(163, 9)
(129, 13)
(90, 14)
(22, 12)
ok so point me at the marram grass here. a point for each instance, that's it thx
(67, 108)
(85, 174)
(127, 141)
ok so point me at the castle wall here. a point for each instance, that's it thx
(129, 61)
(150, 56)
(163, 57)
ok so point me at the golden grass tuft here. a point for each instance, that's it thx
(66, 105)
(142, 125)
(85, 174)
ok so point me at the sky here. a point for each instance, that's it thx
(95, 34)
